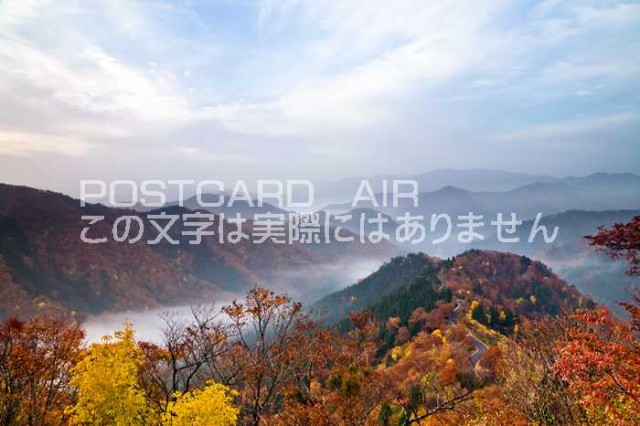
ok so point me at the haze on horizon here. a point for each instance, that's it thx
(315, 89)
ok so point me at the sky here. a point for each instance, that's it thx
(318, 89)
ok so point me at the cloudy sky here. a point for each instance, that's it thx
(317, 89)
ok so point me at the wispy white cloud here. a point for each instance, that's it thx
(613, 14)
(558, 131)
(563, 71)
(242, 82)
(21, 144)
(430, 43)
(194, 16)
(91, 80)
(14, 12)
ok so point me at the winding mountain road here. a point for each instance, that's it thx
(478, 344)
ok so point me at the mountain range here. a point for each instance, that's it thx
(600, 191)
(45, 267)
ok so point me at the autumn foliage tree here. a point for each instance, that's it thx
(106, 381)
(337, 381)
(262, 361)
(600, 361)
(601, 357)
(579, 368)
(622, 241)
(353, 387)
(35, 362)
(529, 386)
(266, 325)
(209, 406)
(190, 355)
(428, 376)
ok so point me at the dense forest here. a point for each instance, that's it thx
(485, 338)
(46, 269)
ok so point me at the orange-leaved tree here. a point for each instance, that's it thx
(35, 362)
(601, 358)
(601, 362)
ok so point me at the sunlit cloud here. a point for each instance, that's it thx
(21, 144)
(248, 83)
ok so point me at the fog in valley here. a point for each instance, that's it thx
(148, 324)
(304, 284)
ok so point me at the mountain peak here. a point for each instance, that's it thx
(450, 189)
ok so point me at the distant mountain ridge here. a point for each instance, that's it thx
(468, 179)
(573, 226)
(244, 208)
(594, 192)
(45, 267)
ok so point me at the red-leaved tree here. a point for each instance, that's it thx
(621, 241)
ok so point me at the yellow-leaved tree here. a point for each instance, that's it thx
(211, 406)
(106, 381)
